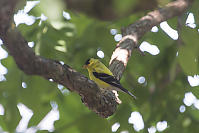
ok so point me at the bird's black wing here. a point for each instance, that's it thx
(108, 79)
(112, 81)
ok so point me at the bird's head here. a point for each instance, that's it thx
(90, 62)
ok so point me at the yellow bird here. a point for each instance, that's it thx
(103, 77)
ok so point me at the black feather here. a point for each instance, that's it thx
(112, 81)
(87, 62)
(107, 78)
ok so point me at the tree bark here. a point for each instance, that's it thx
(133, 32)
(103, 103)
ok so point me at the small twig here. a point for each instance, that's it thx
(179, 29)
(139, 50)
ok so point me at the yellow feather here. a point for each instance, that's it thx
(105, 78)
(97, 66)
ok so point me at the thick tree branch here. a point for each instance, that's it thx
(103, 103)
(135, 31)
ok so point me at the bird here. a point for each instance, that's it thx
(103, 77)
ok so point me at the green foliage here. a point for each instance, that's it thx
(188, 54)
(73, 41)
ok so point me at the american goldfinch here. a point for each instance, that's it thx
(103, 77)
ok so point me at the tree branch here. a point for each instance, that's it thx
(135, 31)
(103, 103)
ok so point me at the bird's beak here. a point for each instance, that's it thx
(84, 66)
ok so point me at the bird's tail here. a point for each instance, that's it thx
(131, 94)
(128, 92)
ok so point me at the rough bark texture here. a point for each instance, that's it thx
(103, 103)
(135, 31)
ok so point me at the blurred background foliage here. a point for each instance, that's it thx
(73, 39)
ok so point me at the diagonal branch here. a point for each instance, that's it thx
(103, 103)
(135, 31)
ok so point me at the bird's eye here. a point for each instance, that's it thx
(87, 62)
